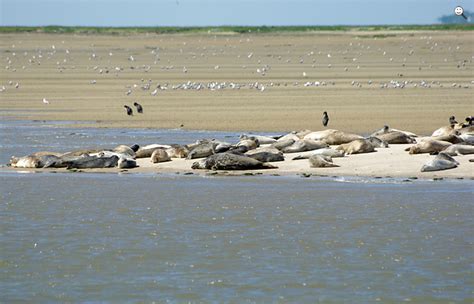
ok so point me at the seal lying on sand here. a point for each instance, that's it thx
(159, 156)
(324, 151)
(377, 142)
(283, 143)
(442, 161)
(396, 137)
(200, 151)
(454, 150)
(357, 146)
(428, 146)
(251, 143)
(177, 151)
(387, 129)
(303, 145)
(263, 140)
(452, 138)
(32, 161)
(321, 161)
(90, 162)
(229, 161)
(146, 151)
(333, 137)
(266, 157)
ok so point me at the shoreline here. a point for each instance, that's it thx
(392, 162)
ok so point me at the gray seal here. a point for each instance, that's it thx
(357, 146)
(396, 137)
(200, 151)
(303, 145)
(229, 161)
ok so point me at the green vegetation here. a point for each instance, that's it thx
(227, 29)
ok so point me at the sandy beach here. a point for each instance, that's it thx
(384, 163)
(86, 79)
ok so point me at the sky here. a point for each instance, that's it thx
(225, 12)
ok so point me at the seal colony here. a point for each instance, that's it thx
(326, 152)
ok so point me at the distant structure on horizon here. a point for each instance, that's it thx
(453, 19)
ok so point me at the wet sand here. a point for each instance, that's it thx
(61, 68)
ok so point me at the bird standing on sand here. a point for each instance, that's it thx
(45, 101)
(129, 110)
(452, 120)
(139, 107)
(325, 119)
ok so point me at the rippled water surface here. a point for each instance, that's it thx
(84, 237)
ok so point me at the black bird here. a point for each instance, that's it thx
(139, 107)
(452, 120)
(325, 119)
(470, 120)
(129, 110)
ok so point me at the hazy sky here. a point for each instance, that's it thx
(225, 12)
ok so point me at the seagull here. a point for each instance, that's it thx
(154, 92)
(139, 107)
(129, 92)
(325, 119)
(129, 110)
(45, 101)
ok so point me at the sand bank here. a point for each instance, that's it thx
(386, 162)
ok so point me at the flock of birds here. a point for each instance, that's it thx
(259, 66)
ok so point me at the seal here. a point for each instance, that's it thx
(456, 149)
(200, 151)
(395, 137)
(283, 143)
(123, 149)
(146, 151)
(324, 151)
(159, 156)
(321, 161)
(333, 137)
(377, 142)
(263, 140)
(303, 145)
(452, 138)
(428, 146)
(229, 161)
(442, 161)
(357, 146)
(90, 162)
(251, 143)
(265, 156)
(177, 151)
(126, 163)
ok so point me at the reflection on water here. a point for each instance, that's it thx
(147, 237)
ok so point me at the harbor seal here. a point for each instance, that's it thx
(324, 151)
(90, 162)
(387, 129)
(177, 151)
(251, 143)
(321, 161)
(263, 140)
(452, 138)
(396, 137)
(200, 151)
(442, 161)
(147, 151)
(303, 145)
(428, 146)
(126, 163)
(159, 156)
(266, 156)
(357, 146)
(123, 149)
(229, 161)
(456, 149)
(377, 142)
(283, 143)
(333, 137)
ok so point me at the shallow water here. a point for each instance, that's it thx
(84, 237)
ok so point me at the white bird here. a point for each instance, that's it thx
(154, 92)
(45, 101)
